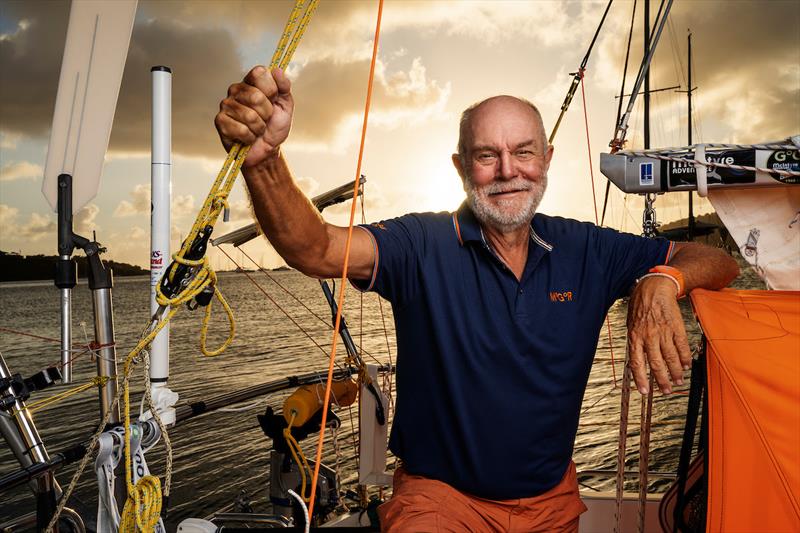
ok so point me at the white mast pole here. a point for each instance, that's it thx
(161, 192)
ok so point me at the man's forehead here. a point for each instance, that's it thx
(517, 123)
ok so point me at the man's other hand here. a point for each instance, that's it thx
(656, 334)
(257, 112)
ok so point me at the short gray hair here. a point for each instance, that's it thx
(466, 122)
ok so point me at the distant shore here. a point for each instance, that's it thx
(16, 267)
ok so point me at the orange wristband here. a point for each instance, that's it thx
(673, 273)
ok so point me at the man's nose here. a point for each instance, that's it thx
(507, 166)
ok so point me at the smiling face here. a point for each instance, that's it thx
(503, 162)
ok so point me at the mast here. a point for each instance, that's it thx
(689, 90)
(647, 75)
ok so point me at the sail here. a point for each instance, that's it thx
(754, 415)
(765, 223)
(91, 72)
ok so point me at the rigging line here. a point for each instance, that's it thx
(653, 40)
(343, 285)
(576, 77)
(271, 299)
(596, 33)
(622, 125)
(645, 422)
(619, 105)
(625, 67)
(298, 300)
(388, 378)
(594, 200)
(75, 345)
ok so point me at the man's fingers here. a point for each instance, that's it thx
(282, 81)
(638, 366)
(672, 360)
(246, 116)
(657, 366)
(253, 98)
(682, 343)
(260, 78)
(232, 131)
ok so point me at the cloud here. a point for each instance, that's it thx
(8, 216)
(32, 52)
(183, 205)
(83, 222)
(38, 227)
(139, 203)
(241, 211)
(398, 96)
(743, 51)
(9, 141)
(137, 234)
(205, 62)
(17, 170)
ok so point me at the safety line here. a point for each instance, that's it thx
(343, 285)
(596, 222)
(295, 298)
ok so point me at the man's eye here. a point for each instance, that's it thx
(485, 157)
(524, 155)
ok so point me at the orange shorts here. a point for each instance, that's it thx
(422, 505)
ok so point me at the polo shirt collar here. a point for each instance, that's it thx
(468, 229)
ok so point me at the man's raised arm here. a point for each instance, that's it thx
(258, 112)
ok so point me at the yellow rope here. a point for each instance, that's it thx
(298, 456)
(41, 404)
(144, 509)
(143, 506)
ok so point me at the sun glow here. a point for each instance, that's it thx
(441, 189)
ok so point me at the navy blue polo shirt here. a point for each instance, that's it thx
(491, 371)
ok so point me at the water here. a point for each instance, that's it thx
(220, 454)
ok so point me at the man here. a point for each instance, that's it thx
(497, 313)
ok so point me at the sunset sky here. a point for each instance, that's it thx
(435, 59)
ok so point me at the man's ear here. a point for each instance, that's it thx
(456, 158)
(548, 156)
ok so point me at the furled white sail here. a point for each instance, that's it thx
(765, 223)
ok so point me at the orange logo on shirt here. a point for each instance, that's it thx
(565, 296)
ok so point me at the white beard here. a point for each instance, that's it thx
(510, 214)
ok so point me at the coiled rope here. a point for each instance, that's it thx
(143, 507)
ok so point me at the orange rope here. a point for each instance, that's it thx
(343, 285)
(596, 220)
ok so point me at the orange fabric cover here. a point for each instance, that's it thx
(754, 408)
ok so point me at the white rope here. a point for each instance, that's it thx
(294, 495)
